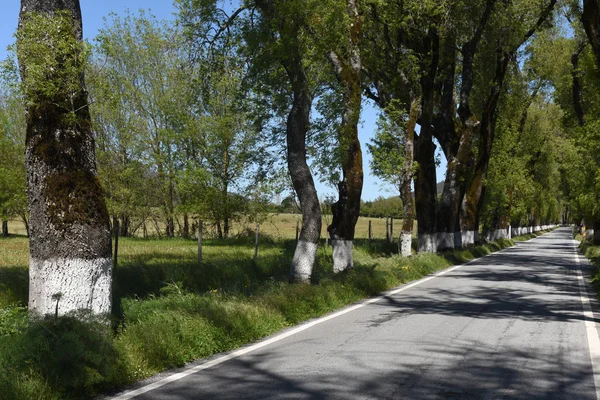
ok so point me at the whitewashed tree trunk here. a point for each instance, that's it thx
(406, 244)
(70, 243)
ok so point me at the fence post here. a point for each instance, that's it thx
(370, 231)
(391, 229)
(200, 242)
(116, 233)
(387, 229)
(256, 242)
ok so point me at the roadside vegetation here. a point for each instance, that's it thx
(173, 310)
(591, 251)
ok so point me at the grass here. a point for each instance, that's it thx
(276, 226)
(173, 310)
(592, 253)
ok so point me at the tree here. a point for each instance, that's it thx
(226, 155)
(344, 55)
(401, 62)
(392, 150)
(509, 38)
(13, 199)
(288, 22)
(143, 74)
(70, 246)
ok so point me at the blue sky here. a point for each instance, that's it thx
(93, 12)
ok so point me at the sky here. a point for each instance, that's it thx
(93, 14)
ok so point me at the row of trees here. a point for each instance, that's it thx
(204, 117)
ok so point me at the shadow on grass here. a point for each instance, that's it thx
(64, 358)
(14, 285)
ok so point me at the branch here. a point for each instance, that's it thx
(227, 23)
(370, 95)
(545, 14)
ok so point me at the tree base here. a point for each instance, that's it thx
(62, 285)
(468, 238)
(445, 241)
(303, 262)
(342, 255)
(405, 244)
(427, 242)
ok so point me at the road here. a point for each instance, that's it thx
(507, 326)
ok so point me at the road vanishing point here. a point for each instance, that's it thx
(517, 324)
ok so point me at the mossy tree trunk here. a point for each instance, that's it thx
(347, 209)
(406, 178)
(70, 246)
(456, 137)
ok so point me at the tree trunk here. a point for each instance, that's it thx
(456, 140)
(596, 227)
(406, 180)
(347, 209)
(425, 183)
(124, 226)
(219, 230)
(302, 180)
(26, 223)
(186, 226)
(5, 228)
(591, 23)
(472, 202)
(70, 247)
(296, 128)
(170, 226)
(449, 233)
(226, 227)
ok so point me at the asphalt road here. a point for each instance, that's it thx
(507, 326)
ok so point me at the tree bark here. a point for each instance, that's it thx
(25, 220)
(425, 182)
(596, 227)
(124, 226)
(219, 230)
(591, 23)
(456, 139)
(186, 226)
(472, 201)
(406, 178)
(297, 126)
(70, 247)
(5, 228)
(302, 180)
(347, 209)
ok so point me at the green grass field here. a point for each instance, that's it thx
(170, 310)
(277, 226)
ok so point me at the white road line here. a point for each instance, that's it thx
(277, 338)
(590, 327)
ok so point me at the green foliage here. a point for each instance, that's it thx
(13, 200)
(387, 147)
(53, 59)
(382, 208)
